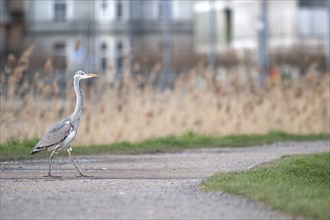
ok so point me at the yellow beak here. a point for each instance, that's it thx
(92, 75)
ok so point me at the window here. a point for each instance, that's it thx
(104, 9)
(104, 60)
(104, 5)
(312, 18)
(60, 10)
(59, 54)
(228, 25)
(59, 49)
(104, 48)
(312, 3)
(119, 55)
(119, 9)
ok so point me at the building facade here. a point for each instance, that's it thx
(11, 26)
(289, 23)
(98, 35)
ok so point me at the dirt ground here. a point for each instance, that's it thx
(158, 186)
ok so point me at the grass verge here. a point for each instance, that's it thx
(297, 185)
(14, 150)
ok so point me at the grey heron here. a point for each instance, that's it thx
(60, 135)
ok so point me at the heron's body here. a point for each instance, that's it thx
(60, 135)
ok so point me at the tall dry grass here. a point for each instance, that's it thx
(218, 104)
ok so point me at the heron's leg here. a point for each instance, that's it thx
(80, 173)
(50, 164)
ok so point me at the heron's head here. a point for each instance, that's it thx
(82, 75)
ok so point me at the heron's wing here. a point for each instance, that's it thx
(55, 135)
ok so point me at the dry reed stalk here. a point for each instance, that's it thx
(219, 104)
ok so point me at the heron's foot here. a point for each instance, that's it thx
(52, 176)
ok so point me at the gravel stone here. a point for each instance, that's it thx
(157, 186)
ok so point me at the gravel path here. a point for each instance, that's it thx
(161, 186)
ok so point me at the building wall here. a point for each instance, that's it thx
(245, 15)
(283, 23)
(103, 25)
(4, 19)
(11, 26)
(288, 24)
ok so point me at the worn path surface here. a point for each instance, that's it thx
(161, 186)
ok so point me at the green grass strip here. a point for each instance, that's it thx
(20, 149)
(296, 185)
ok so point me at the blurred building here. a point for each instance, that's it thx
(113, 34)
(100, 34)
(290, 23)
(11, 26)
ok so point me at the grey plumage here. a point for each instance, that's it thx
(60, 135)
(54, 136)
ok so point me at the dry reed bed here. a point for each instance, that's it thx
(199, 102)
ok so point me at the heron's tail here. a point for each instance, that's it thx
(36, 149)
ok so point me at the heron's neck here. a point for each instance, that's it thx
(76, 115)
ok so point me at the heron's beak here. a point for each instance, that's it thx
(89, 75)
